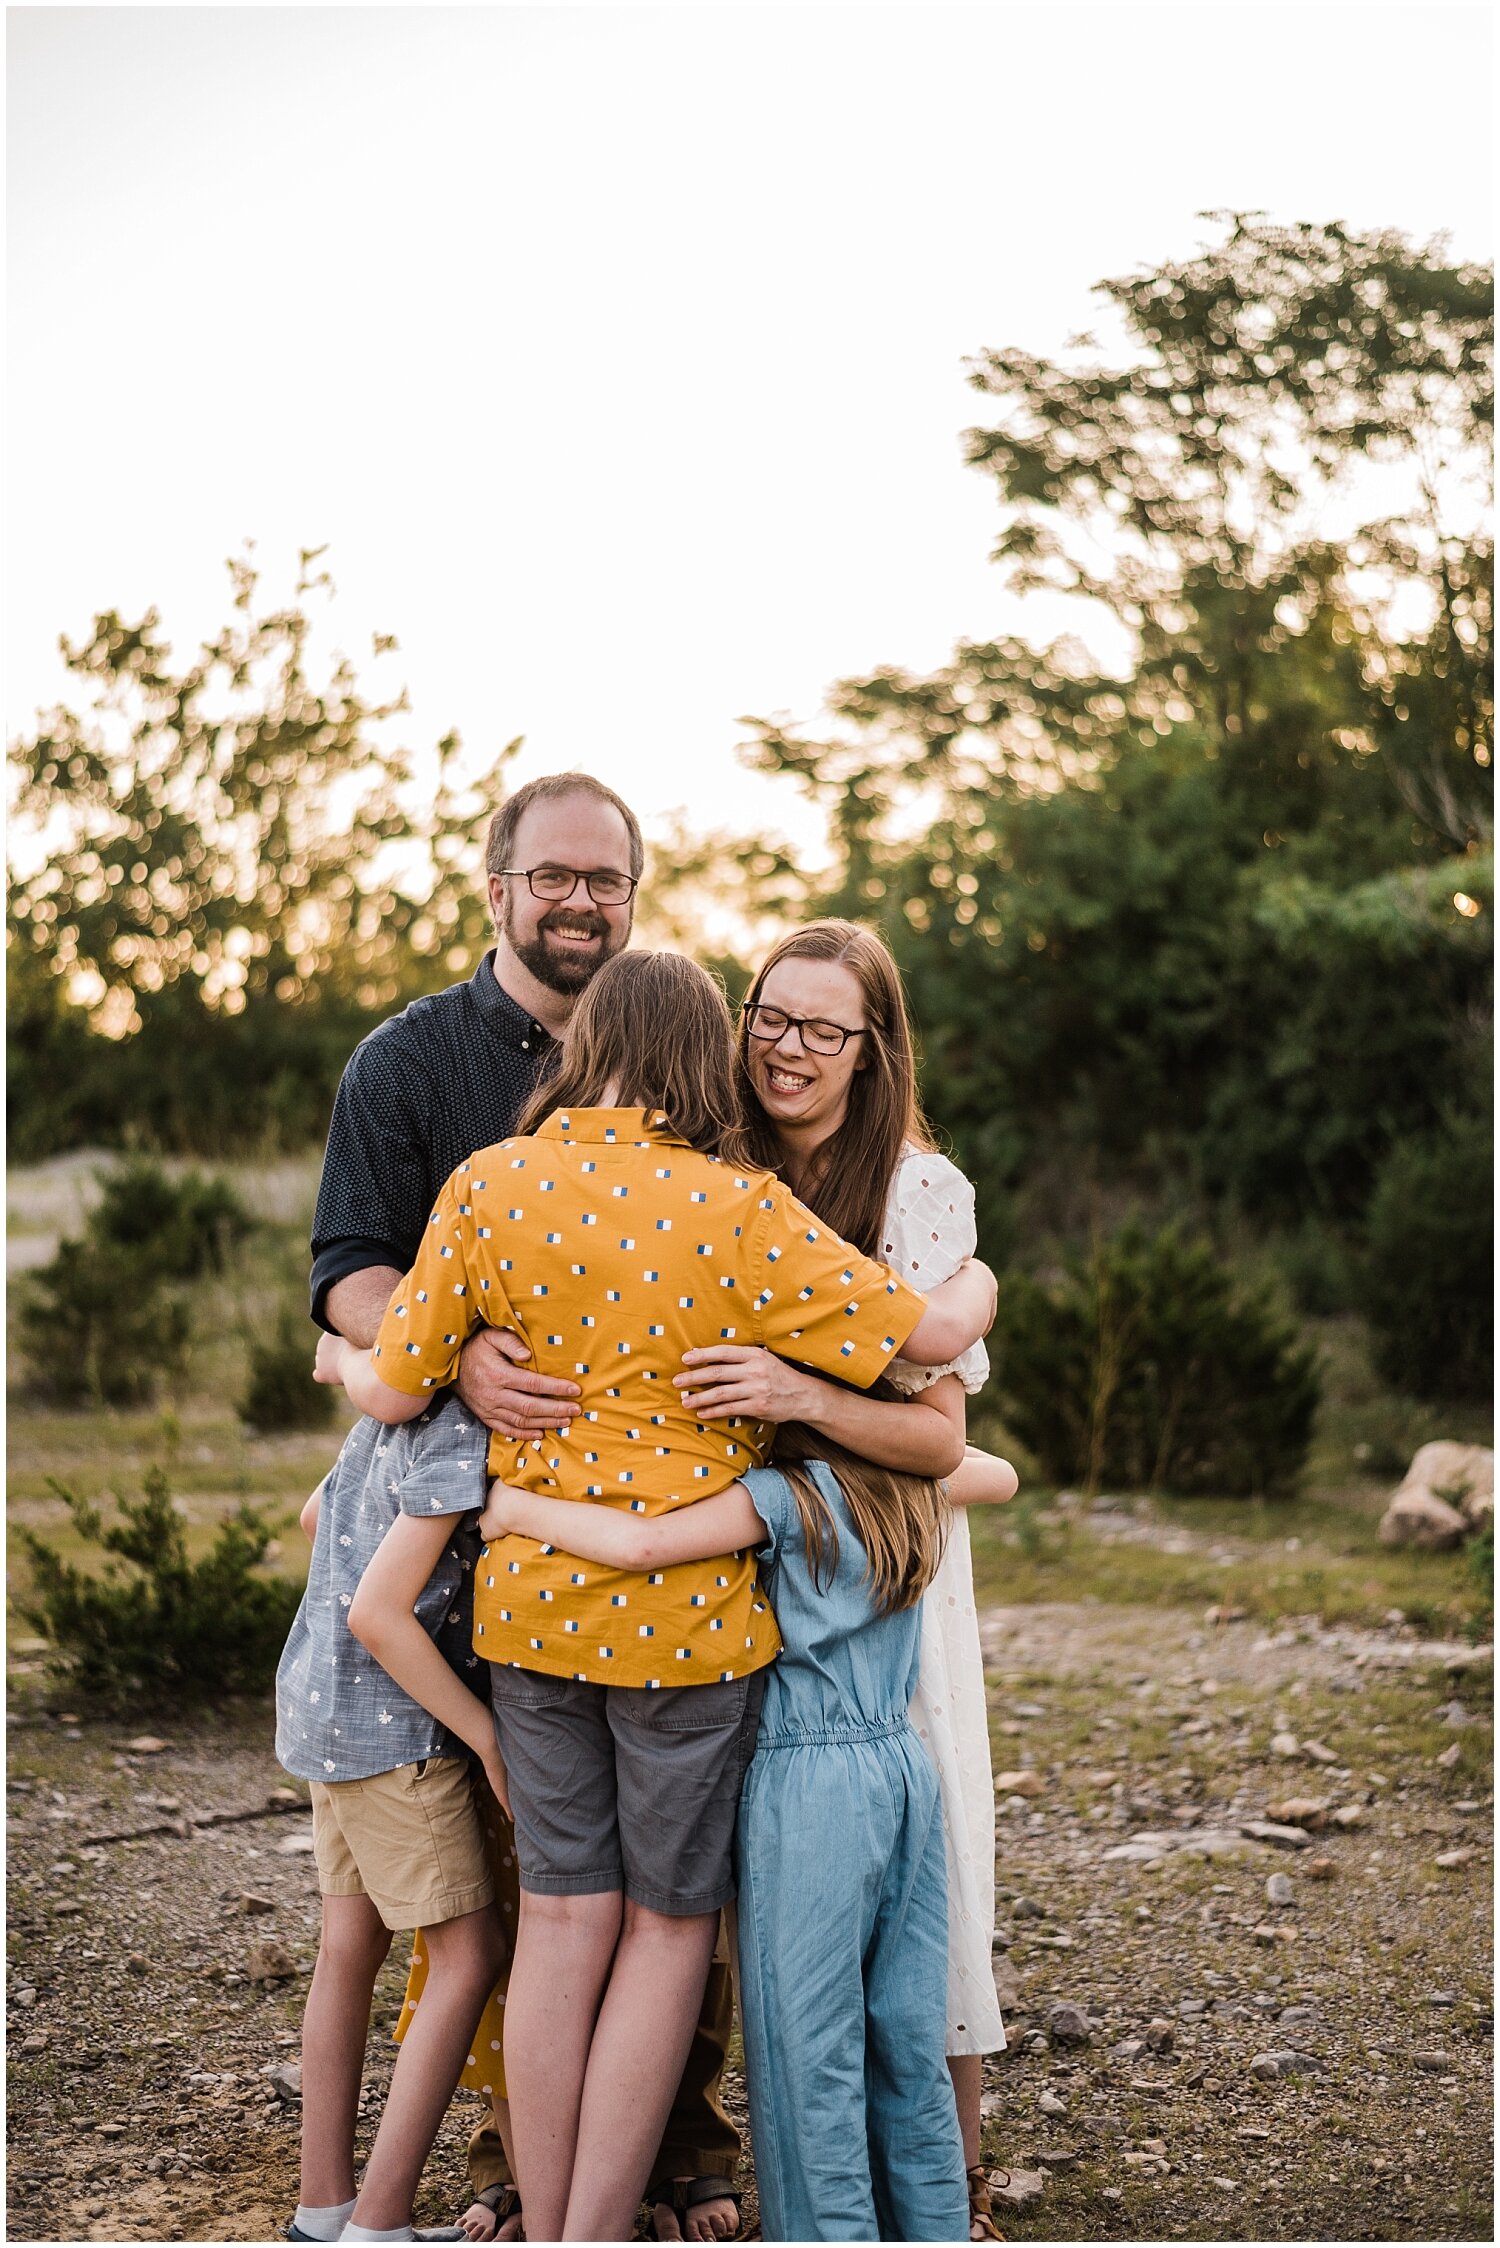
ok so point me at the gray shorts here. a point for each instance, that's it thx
(626, 1787)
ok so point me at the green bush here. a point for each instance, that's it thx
(1430, 1237)
(282, 1393)
(1320, 1267)
(104, 1322)
(1479, 1560)
(98, 1326)
(163, 1628)
(1145, 1368)
(185, 1227)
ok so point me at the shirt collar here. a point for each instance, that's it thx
(505, 1017)
(626, 1126)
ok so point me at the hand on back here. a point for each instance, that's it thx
(502, 1392)
(731, 1378)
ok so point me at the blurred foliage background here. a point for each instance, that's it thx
(1197, 941)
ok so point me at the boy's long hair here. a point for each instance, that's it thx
(855, 1167)
(655, 1027)
(902, 1520)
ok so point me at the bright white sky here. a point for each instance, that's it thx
(617, 352)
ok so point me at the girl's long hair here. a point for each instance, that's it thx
(855, 1166)
(655, 1028)
(902, 1520)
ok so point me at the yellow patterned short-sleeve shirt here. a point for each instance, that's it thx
(614, 1248)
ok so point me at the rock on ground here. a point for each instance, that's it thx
(1448, 1490)
(1463, 1474)
(1419, 1518)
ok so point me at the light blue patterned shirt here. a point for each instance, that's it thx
(339, 1716)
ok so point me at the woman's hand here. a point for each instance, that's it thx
(728, 1378)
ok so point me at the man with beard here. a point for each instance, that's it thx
(446, 1076)
(451, 1072)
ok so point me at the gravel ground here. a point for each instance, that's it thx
(138, 2039)
(1314, 2068)
(1152, 2105)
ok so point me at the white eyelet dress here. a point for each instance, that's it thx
(929, 1230)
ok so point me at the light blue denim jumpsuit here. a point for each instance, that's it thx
(843, 1913)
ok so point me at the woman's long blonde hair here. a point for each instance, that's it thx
(902, 1520)
(855, 1166)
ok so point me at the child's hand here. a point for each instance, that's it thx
(495, 1773)
(498, 1518)
(328, 1366)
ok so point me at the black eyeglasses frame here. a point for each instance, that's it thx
(598, 874)
(799, 1023)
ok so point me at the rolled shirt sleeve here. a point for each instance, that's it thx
(376, 1189)
(446, 1481)
(822, 1302)
(450, 1290)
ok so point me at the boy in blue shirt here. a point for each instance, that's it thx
(373, 1710)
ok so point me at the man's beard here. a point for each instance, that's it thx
(562, 971)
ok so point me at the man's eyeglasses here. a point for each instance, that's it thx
(558, 882)
(773, 1023)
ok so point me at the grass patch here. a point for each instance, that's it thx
(1338, 1572)
(1313, 1554)
(213, 1461)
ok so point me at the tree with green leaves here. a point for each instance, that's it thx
(1213, 922)
(1187, 485)
(234, 841)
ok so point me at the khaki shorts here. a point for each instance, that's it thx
(410, 1840)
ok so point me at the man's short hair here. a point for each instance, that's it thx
(547, 789)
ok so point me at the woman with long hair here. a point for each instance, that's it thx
(828, 1076)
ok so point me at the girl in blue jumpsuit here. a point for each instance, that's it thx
(843, 1915)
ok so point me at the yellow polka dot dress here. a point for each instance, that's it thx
(484, 2064)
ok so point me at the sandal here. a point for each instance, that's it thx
(503, 2202)
(981, 2207)
(682, 2194)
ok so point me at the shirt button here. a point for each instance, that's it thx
(526, 1045)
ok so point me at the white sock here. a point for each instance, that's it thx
(323, 2224)
(352, 2231)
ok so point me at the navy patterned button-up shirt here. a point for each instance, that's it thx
(449, 1074)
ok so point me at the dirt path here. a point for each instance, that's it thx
(140, 2107)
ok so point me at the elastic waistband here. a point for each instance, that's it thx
(814, 1736)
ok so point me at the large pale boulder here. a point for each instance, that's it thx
(1463, 1474)
(1417, 1518)
(1448, 1490)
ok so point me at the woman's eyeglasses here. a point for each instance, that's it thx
(558, 882)
(772, 1023)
